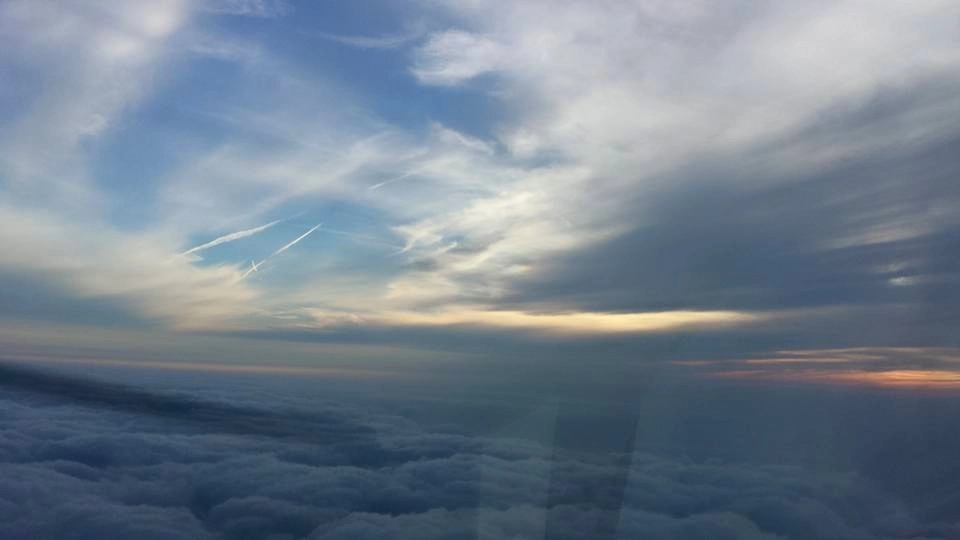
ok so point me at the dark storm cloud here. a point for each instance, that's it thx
(736, 232)
(206, 414)
(72, 471)
(28, 297)
(749, 248)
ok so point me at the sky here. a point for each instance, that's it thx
(709, 183)
(462, 269)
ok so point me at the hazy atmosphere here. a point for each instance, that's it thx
(538, 269)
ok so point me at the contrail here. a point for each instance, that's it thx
(231, 237)
(254, 266)
(294, 242)
(390, 180)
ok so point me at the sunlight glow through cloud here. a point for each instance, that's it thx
(916, 368)
(572, 323)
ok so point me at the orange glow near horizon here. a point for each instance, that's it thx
(917, 379)
(916, 368)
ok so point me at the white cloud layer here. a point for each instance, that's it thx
(139, 271)
(216, 461)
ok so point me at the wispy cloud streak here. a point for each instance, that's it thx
(362, 238)
(373, 42)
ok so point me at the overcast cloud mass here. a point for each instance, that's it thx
(641, 203)
(85, 458)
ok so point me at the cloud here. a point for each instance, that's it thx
(175, 465)
(453, 57)
(392, 41)
(84, 67)
(362, 238)
(246, 8)
(207, 414)
(143, 272)
(637, 158)
(910, 368)
(665, 168)
(849, 231)
(559, 324)
(90, 66)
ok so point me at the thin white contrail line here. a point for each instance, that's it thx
(231, 237)
(255, 266)
(295, 240)
(390, 181)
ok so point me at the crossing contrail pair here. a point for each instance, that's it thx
(254, 266)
